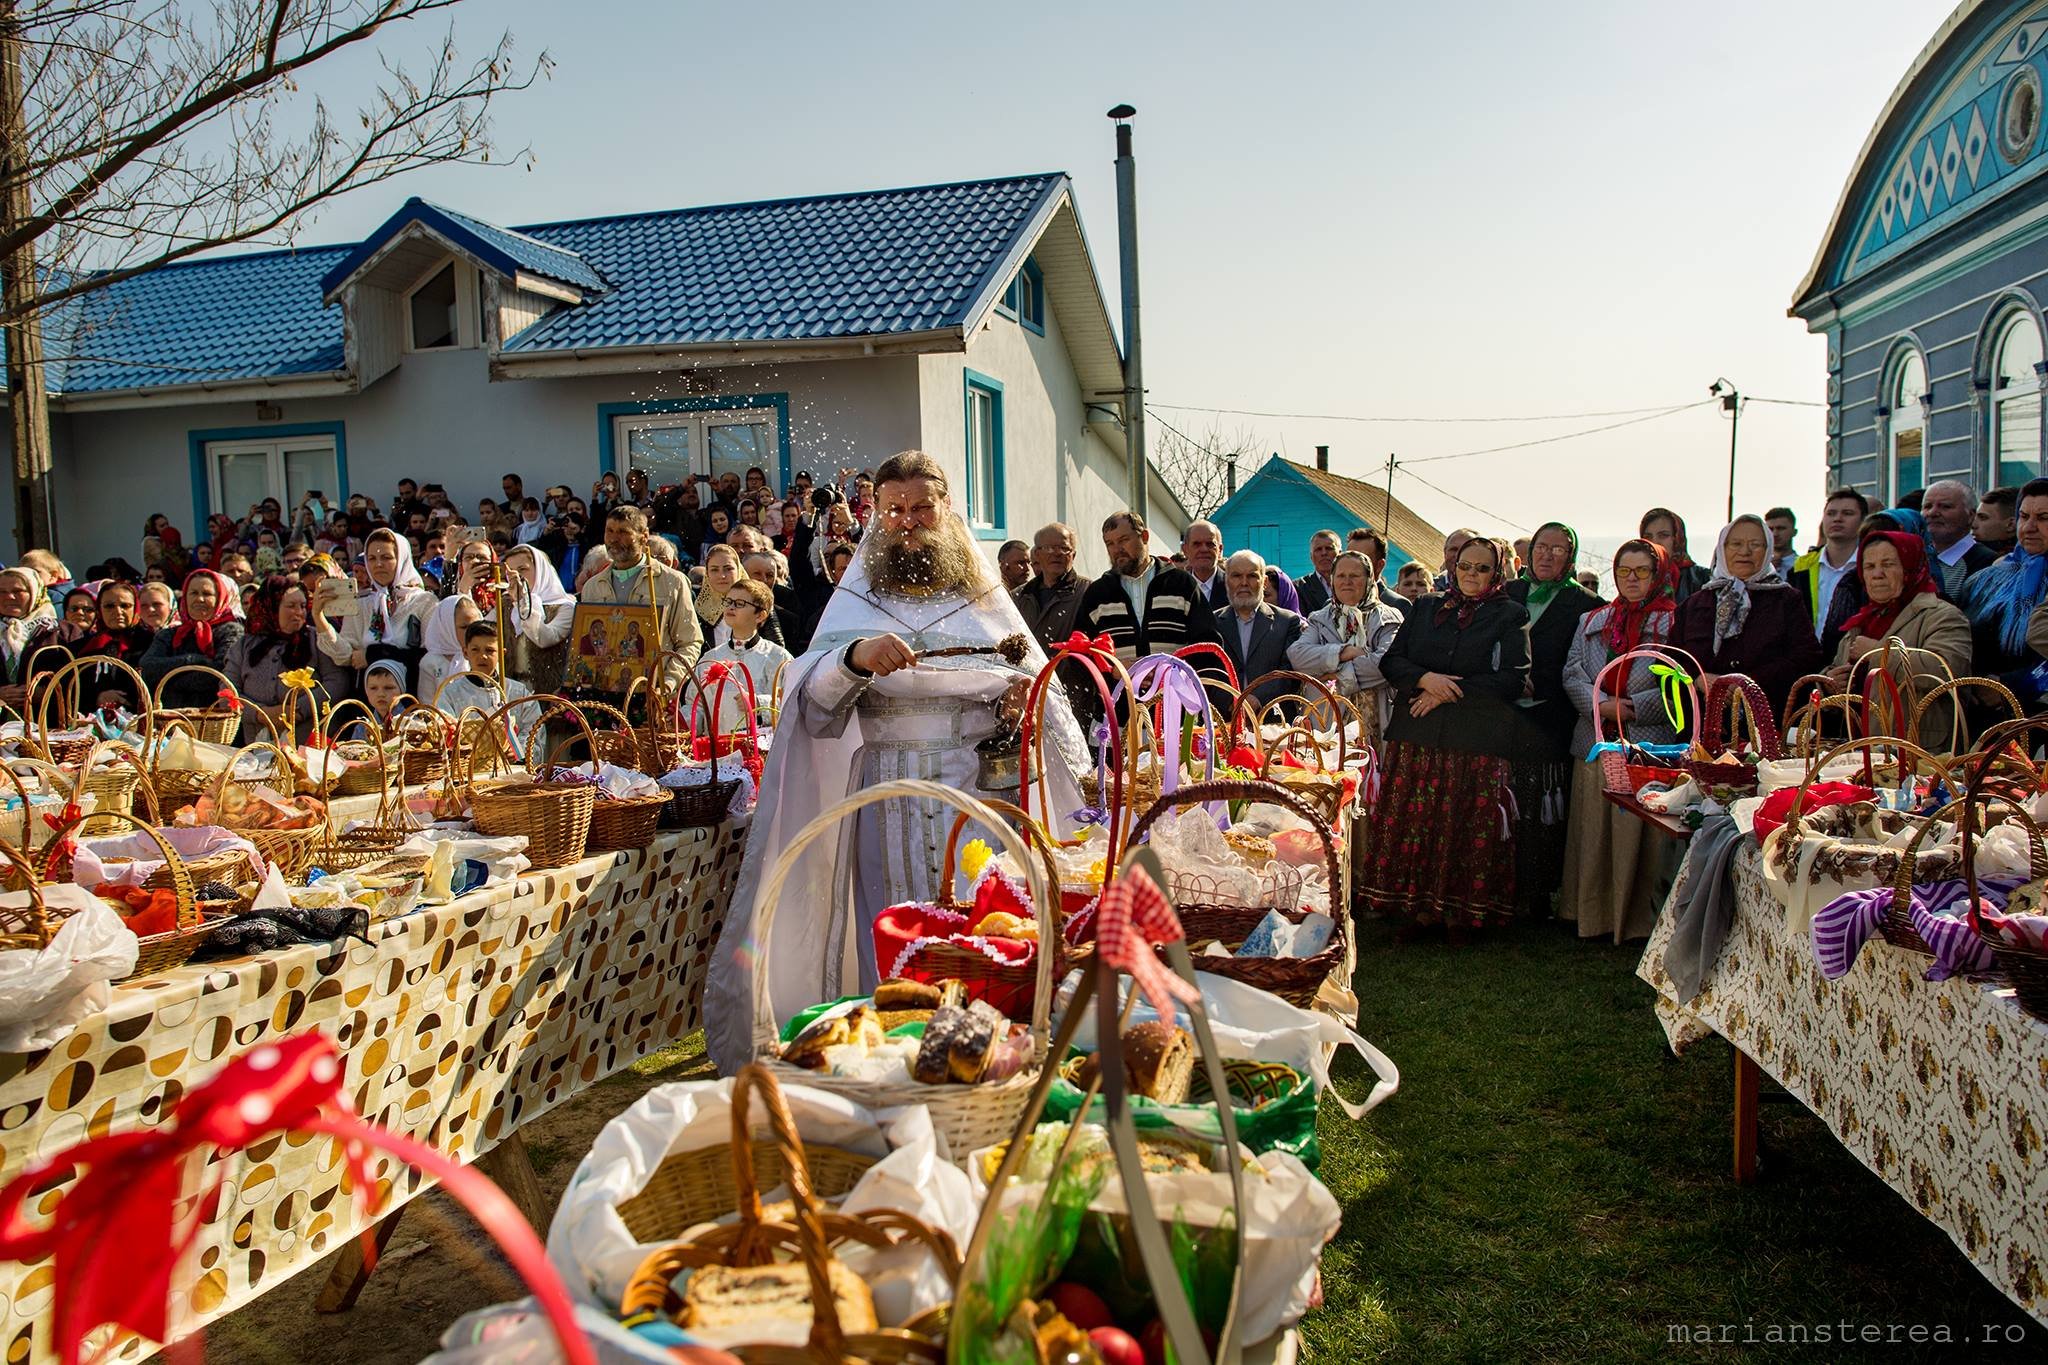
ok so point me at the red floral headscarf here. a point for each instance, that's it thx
(1626, 620)
(199, 634)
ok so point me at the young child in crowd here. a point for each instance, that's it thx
(748, 604)
(472, 690)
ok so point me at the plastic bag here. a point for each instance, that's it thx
(459, 862)
(519, 1334)
(1260, 1026)
(183, 751)
(596, 1254)
(1285, 1124)
(45, 994)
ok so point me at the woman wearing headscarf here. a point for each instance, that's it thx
(280, 640)
(1667, 529)
(2000, 600)
(28, 623)
(1440, 845)
(207, 635)
(391, 617)
(1543, 765)
(452, 616)
(116, 633)
(542, 613)
(1747, 619)
(1928, 637)
(1344, 642)
(1280, 591)
(1616, 866)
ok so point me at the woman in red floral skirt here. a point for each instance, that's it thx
(1440, 841)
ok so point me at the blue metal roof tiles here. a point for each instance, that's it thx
(874, 263)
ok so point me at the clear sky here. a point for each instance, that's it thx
(1381, 210)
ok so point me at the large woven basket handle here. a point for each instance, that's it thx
(37, 921)
(1307, 680)
(1734, 693)
(1120, 758)
(1959, 729)
(826, 1335)
(1979, 791)
(552, 704)
(1868, 746)
(227, 684)
(1044, 896)
(717, 704)
(71, 673)
(181, 876)
(1033, 832)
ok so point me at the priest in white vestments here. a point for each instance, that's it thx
(866, 705)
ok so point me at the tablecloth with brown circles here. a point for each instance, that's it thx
(458, 1024)
(1940, 1087)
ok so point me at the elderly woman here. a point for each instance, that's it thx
(1345, 641)
(1543, 760)
(1440, 848)
(207, 636)
(1747, 619)
(1919, 638)
(28, 622)
(1616, 866)
(280, 640)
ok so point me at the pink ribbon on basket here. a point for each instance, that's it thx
(116, 1230)
(1133, 915)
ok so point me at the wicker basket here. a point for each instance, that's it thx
(1732, 694)
(155, 952)
(809, 1238)
(291, 850)
(700, 805)
(2025, 968)
(629, 823)
(1009, 986)
(969, 1116)
(1625, 770)
(553, 817)
(1297, 980)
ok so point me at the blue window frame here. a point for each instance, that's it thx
(983, 402)
(1024, 300)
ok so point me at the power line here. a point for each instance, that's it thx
(1352, 417)
(1564, 436)
(1495, 516)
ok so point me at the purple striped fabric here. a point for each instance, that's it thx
(1846, 923)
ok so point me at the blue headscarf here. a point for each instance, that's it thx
(2016, 596)
(1909, 520)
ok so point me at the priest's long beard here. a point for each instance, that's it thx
(921, 562)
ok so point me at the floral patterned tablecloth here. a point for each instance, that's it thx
(1939, 1087)
(459, 1024)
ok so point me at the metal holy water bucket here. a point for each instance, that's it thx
(1000, 760)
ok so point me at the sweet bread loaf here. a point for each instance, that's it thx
(859, 1027)
(730, 1304)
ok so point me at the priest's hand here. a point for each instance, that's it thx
(882, 655)
(1010, 707)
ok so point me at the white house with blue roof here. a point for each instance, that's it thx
(965, 319)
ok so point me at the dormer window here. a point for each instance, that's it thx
(1024, 300)
(441, 312)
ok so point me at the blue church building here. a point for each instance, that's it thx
(1276, 510)
(1930, 279)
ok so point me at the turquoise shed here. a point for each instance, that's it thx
(1276, 510)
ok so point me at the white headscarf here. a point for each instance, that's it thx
(381, 601)
(442, 636)
(547, 584)
(1731, 594)
(14, 635)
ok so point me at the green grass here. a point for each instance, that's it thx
(1550, 1184)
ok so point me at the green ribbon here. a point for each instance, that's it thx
(1671, 684)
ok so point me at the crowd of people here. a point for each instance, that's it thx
(413, 601)
(1480, 682)
(1477, 682)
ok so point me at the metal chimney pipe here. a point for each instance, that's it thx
(1127, 254)
(1323, 458)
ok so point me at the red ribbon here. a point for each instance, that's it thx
(1081, 644)
(1133, 915)
(115, 1232)
(227, 698)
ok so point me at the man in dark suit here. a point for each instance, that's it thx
(1314, 587)
(1255, 635)
(1202, 546)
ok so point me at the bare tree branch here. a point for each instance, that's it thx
(1196, 464)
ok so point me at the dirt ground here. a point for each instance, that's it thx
(439, 1265)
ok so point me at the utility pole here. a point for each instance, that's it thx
(1387, 522)
(1127, 254)
(28, 405)
(1731, 403)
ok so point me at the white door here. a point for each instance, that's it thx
(244, 473)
